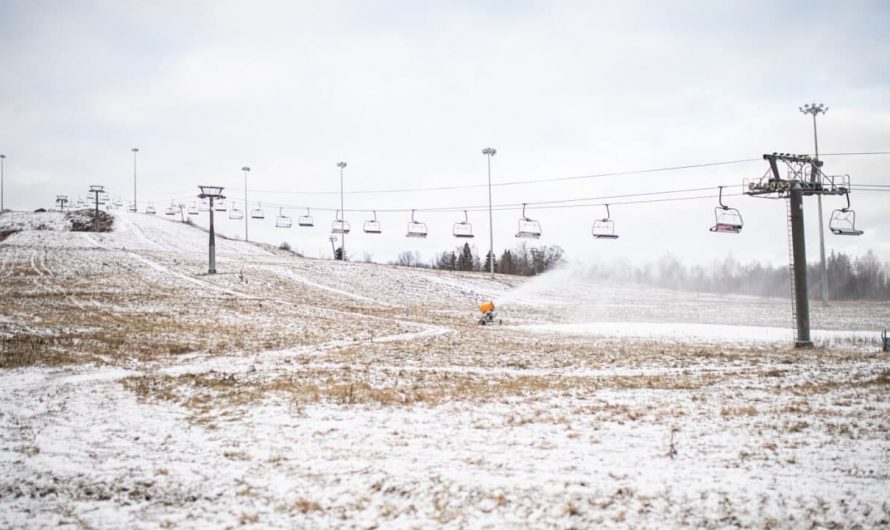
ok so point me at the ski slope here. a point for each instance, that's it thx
(137, 390)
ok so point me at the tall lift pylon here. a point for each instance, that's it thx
(804, 178)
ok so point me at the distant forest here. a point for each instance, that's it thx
(523, 260)
(860, 278)
(849, 278)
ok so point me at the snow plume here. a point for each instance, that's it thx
(556, 282)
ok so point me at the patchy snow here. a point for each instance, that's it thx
(684, 333)
(289, 392)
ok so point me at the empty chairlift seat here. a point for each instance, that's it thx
(258, 212)
(306, 220)
(171, 210)
(604, 228)
(150, 209)
(220, 206)
(463, 229)
(372, 226)
(528, 228)
(843, 221)
(339, 226)
(235, 213)
(282, 221)
(416, 228)
(726, 220)
(193, 209)
(205, 206)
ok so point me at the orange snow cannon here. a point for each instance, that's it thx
(488, 314)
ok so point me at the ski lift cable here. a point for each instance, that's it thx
(562, 203)
(555, 179)
(505, 206)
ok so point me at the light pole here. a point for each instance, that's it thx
(135, 150)
(211, 192)
(490, 152)
(341, 165)
(245, 169)
(814, 109)
(2, 159)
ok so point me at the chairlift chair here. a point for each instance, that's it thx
(193, 209)
(150, 209)
(604, 228)
(220, 206)
(372, 226)
(205, 206)
(843, 221)
(283, 221)
(131, 208)
(416, 228)
(528, 228)
(339, 226)
(258, 212)
(235, 213)
(726, 220)
(463, 229)
(306, 220)
(171, 210)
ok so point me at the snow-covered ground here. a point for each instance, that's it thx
(136, 390)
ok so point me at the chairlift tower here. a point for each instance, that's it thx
(61, 200)
(96, 191)
(210, 193)
(804, 178)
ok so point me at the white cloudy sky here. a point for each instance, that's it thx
(408, 93)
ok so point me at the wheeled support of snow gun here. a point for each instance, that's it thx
(488, 314)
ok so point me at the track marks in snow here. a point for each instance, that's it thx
(289, 274)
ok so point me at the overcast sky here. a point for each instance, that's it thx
(408, 94)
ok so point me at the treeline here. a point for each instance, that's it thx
(849, 278)
(522, 260)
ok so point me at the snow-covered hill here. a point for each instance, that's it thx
(135, 389)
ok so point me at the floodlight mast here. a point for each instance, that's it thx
(2, 159)
(211, 193)
(815, 109)
(342, 165)
(490, 152)
(135, 150)
(245, 169)
(96, 190)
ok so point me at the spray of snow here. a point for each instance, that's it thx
(540, 288)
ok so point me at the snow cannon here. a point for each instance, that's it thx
(488, 314)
